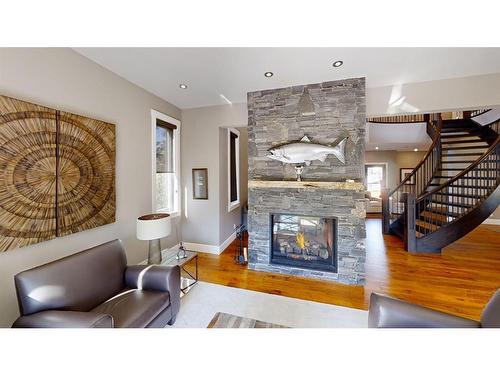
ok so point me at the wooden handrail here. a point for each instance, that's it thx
(478, 112)
(398, 119)
(463, 173)
(418, 117)
(436, 140)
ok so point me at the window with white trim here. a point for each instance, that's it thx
(375, 179)
(166, 158)
(233, 168)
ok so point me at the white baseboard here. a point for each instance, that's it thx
(492, 221)
(211, 249)
(201, 247)
(227, 242)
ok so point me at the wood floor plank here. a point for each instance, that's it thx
(458, 281)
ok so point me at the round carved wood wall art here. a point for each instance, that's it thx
(56, 173)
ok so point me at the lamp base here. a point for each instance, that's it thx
(181, 253)
(154, 254)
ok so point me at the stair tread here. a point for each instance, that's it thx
(458, 161)
(460, 186)
(461, 169)
(442, 211)
(447, 136)
(454, 129)
(434, 216)
(455, 121)
(464, 147)
(476, 178)
(464, 154)
(459, 195)
(426, 225)
(445, 142)
(452, 204)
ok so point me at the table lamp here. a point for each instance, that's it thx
(152, 227)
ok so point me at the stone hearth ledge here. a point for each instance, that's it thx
(357, 186)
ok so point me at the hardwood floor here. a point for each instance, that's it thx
(458, 281)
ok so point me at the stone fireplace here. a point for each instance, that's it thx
(316, 227)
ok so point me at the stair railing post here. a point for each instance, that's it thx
(386, 213)
(410, 238)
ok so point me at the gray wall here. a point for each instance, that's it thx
(229, 219)
(496, 215)
(395, 160)
(434, 96)
(200, 148)
(63, 79)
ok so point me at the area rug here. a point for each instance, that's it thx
(204, 300)
(223, 320)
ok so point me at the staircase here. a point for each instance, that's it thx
(452, 190)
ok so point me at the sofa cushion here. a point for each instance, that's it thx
(64, 319)
(134, 308)
(78, 282)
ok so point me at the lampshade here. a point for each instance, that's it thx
(153, 226)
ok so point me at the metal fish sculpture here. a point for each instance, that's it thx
(304, 151)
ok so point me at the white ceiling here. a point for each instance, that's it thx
(232, 72)
(403, 137)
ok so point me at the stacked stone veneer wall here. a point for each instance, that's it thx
(274, 119)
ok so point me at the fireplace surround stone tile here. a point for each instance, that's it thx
(347, 206)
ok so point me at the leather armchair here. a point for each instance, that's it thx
(387, 312)
(96, 289)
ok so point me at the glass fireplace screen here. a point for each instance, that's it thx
(304, 241)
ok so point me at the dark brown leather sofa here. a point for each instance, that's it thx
(387, 312)
(96, 289)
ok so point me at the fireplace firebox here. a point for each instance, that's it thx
(302, 241)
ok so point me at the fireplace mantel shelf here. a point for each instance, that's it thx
(358, 186)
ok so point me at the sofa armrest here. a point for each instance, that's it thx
(386, 312)
(64, 319)
(159, 278)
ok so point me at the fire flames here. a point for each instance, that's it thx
(300, 239)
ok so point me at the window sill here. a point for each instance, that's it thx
(233, 206)
(172, 214)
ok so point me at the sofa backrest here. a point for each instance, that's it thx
(490, 318)
(78, 282)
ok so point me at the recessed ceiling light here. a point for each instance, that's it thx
(415, 149)
(338, 64)
(183, 86)
(268, 74)
(376, 148)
